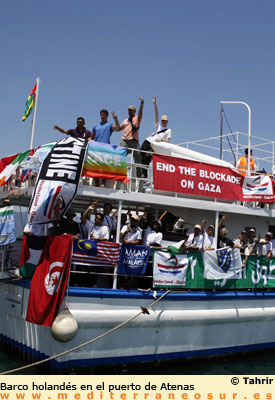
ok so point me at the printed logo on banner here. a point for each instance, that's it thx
(224, 258)
(258, 188)
(172, 266)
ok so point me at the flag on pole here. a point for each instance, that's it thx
(30, 103)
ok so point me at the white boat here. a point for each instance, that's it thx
(182, 324)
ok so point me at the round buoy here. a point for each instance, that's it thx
(64, 327)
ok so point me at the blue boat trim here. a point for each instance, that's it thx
(135, 294)
(137, 358)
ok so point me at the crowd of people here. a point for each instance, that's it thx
(102, 226)
(247, 242)
(130, 137)
(148, 231)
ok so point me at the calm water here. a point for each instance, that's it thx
(257, 363)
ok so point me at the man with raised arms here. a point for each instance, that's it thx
(130, 127)
(162, 134)
(104, 129)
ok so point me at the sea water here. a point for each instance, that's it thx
(260, 363)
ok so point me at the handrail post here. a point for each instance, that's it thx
(249, 129)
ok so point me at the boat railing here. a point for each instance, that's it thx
(231, 146)
(138, 181)
(107, 277)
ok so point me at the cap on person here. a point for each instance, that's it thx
(211, 226)
(252, 230)
(164, 118)
(131, 107)
(197, 227)
(244, 232)
(135, 217)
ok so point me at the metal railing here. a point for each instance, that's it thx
(264, 154)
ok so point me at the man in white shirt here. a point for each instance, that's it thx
(108, 221)
(131, 234)
(209, 242)
(161, 134)
(264, 247)
(154, 238)
(194, 242)
(98, 231)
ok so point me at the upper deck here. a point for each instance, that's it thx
(139, 194)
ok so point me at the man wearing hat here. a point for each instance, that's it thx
(209, 242)
(67, 225)
(161, 134)
(131, 234)
(194, 242)
(251, 246)
(130, 127)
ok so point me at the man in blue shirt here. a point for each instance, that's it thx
(104, 129)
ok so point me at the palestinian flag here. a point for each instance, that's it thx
(30, 103)
(10, 169)
(30, 254)
(175, 248)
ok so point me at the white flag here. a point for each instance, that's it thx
(223, 263)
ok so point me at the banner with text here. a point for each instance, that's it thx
(189, 271)
(133, 259)
(58, 177)
(191, 177)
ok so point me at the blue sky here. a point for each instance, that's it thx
(93, 54)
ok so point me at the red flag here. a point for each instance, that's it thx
(6, 161)
(50, 280)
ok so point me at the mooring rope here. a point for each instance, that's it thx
(144, 310)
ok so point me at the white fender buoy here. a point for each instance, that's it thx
(64, 327)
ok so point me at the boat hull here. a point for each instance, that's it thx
(181, 325)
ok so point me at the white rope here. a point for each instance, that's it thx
(143, 311)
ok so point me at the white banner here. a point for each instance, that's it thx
(169, 270)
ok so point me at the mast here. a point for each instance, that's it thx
(34, 112)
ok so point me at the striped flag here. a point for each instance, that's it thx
(10, 169)
(107, 254)
(30, 103)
